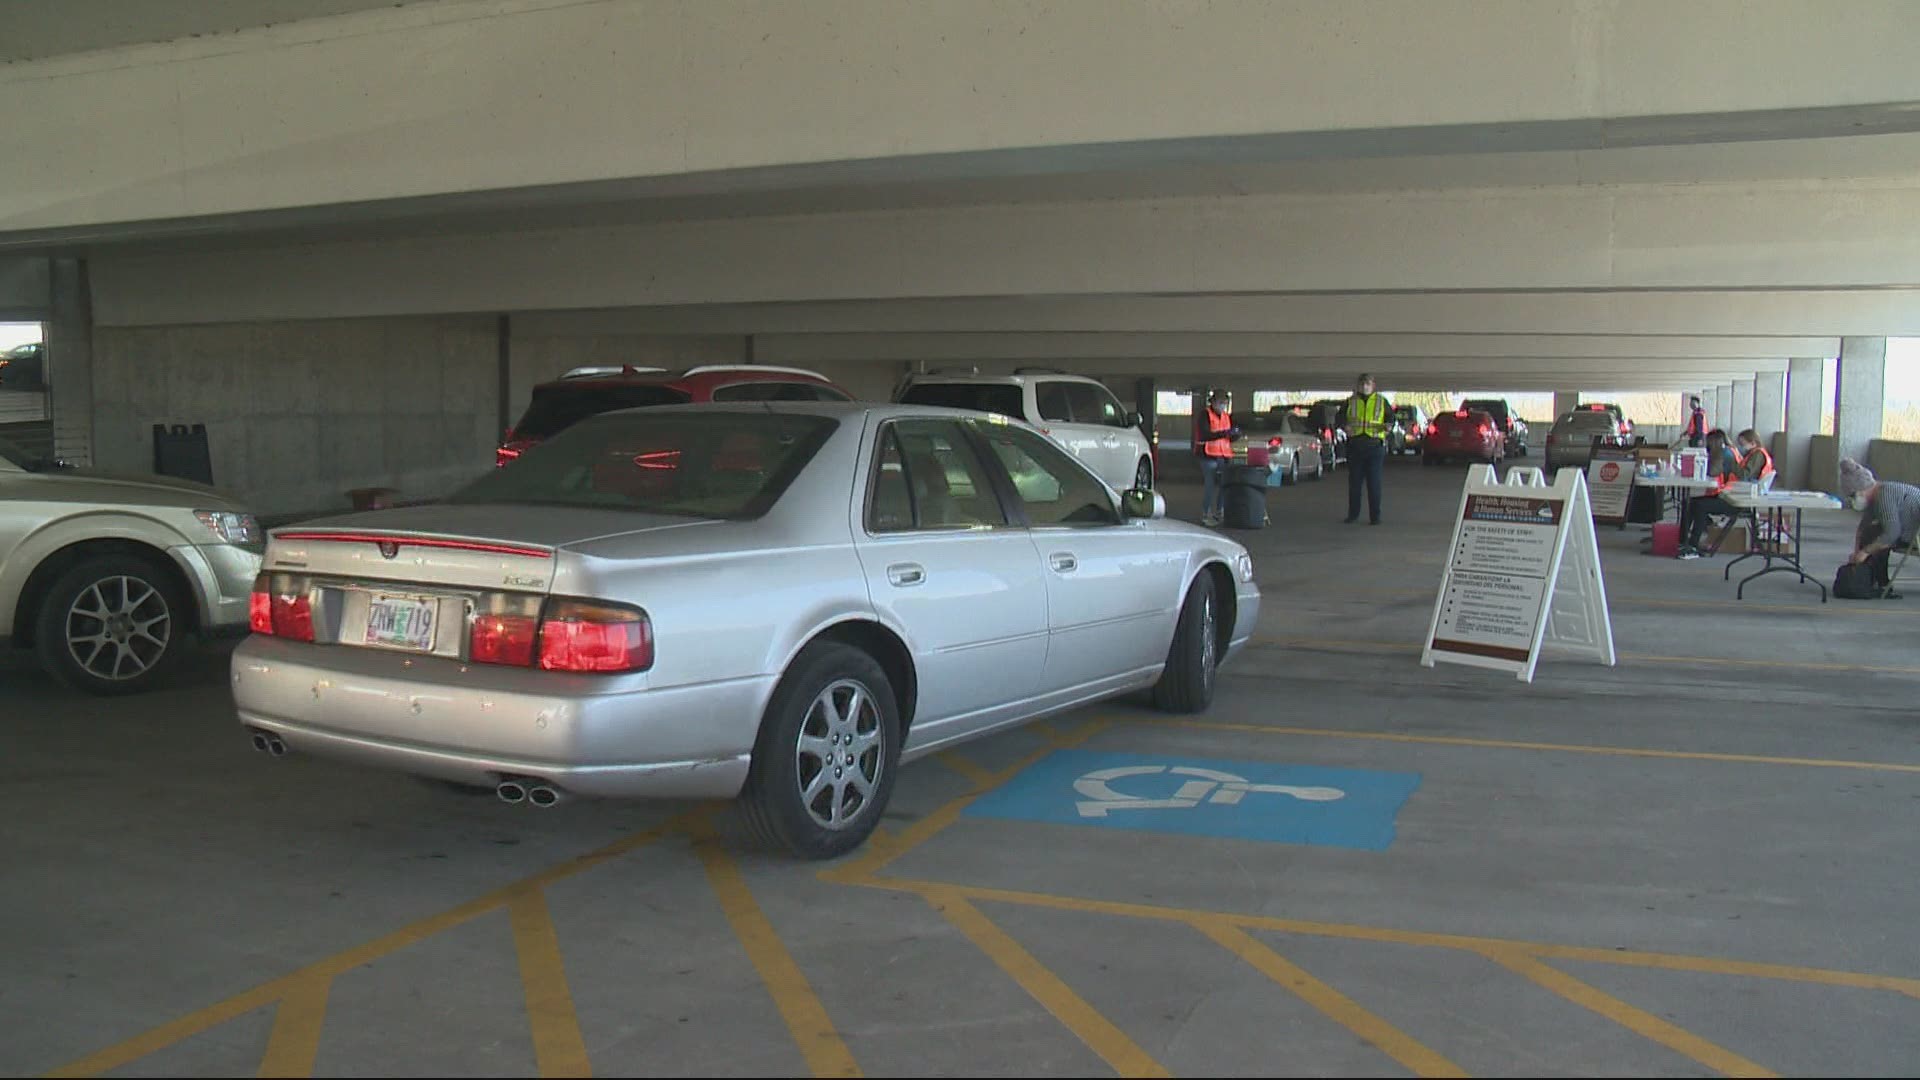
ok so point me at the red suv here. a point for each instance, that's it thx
(588, 391)
(1474, 435)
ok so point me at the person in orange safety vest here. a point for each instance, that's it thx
(1215, 439)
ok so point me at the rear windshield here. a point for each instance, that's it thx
(707, 465)
(557, 408)
(1496, 409)
(1598, 421)
(1001, 398)
(1471, 419)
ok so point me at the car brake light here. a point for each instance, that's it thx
(1273, 444)
(576, 635)
(286, 612)
(502, 639)
(260, 611)
(1433, 429)
(504, 455)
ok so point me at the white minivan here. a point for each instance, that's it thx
(1078, 413)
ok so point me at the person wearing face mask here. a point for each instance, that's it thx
(1755, 463)
(1216, 437)
(1724, 468)
(1364, 418)
(1890, 518)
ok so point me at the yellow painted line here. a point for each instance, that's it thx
(1617, 601)
(296, 1029)
(558, 1049)
(978, 775)
(1634, 1019)
(875, 856)
(1417, 1057)
(1668, 961)
(1101, 1036)
(267, 993)
(1310, 644)
(826, 1054)
(1510, 744)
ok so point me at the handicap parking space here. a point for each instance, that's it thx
(1348, 866)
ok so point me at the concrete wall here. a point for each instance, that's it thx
(1892, 460)
(299, 413)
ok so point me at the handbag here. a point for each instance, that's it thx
(1854, 581)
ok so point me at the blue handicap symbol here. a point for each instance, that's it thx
(1248, 800)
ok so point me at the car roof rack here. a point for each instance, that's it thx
(594, 371)
(707, 368)
(1040, 371)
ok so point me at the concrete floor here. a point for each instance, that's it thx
(1700, 861)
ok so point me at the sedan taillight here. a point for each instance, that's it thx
(285, 611)
(568, 635)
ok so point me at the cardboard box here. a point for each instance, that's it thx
(1733, 539)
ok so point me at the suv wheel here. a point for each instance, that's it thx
(1143, 475)
(110, 625)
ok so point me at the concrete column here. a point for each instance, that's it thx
(1769, 404)
(1723, 405)
(69, 362)
(1742, 417)
(1242, 391)
(1862, 400)
(1564, 401)
(1806, 403)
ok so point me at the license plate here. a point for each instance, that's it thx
(401, 622)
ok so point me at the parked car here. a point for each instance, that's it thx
(1293, 447)
(1078, 413)
(1512, 428)
(1408, 430)
(589, 391)
(107, 578)
(1619, 415)
(1322, 418)
(23, 367)
(1571, 440)
(703, 601)
(1463, 433)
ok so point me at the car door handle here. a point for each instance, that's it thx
(906, 574)
(1063, 562)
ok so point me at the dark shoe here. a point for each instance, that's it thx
(1891, 595)
(1375, 521)
(1349, 521)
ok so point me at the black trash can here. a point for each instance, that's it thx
(1247, 497)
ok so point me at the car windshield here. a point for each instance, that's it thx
(732, 466)
(1000, 398)
(556, 408)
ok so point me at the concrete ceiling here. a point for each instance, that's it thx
(38, 29)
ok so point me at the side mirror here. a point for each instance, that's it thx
(1143, 504)
(1134, 419)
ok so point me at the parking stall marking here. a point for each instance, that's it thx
(297, 1021)
(806, 1018)
(1087, 1023)
(1419, 1059)
(558, 1048)
(1634, 1019)
(1310, 644)
(1511, 744)
(1249, 800)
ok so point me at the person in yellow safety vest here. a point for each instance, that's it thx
(1216, 437)
(1365, 418)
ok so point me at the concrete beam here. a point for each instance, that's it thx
(778, 348)
(1596, 237)
(345, 109)
(1615, 373)
(1732, 313)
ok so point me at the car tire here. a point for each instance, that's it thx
(1143, 475)
(1186, 685)
(111, 625)
(834, 701)
(1293, 471)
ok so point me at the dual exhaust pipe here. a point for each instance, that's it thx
(512, 790)
(515, 789)
(267, 742)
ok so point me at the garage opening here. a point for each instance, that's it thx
(25, 420)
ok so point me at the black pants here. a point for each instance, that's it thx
(1879, 560)
(1698, 511)
(1366, 465)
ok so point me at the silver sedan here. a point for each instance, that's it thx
(783, 603)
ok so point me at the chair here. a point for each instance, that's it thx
(1893, 568)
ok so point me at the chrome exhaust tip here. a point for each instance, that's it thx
(511, 791)
(275, 746)
(260, 741)
(543, 796)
